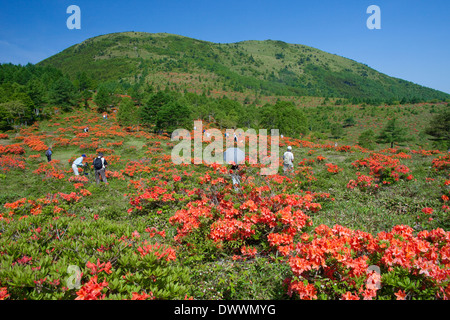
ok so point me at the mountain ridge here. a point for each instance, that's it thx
(256, 67)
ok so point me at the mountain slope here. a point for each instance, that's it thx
(257, 67)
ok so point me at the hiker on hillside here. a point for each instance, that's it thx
(100, 165)
(86, 129)
(78, 163)
(49, 153)
(236, 178)
(288, 158)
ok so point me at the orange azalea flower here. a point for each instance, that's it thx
(91, 290)
(349, 296)
(4, 293)
(299, 265)
(136, 234)
(400, 294)
(248, 251)
(142, 296)
(99, 267)
(305, 292)
(160, 251)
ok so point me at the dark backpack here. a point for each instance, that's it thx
(98, 164)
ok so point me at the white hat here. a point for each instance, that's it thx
(289, 148)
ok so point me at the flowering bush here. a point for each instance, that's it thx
(441, 163)
(165, 231)
(11, 162)
(50, 170)
(12, 148)
(332, 168)
(334, 263)
(385, 169)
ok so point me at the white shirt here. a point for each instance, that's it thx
(288, 157)
(78, 161)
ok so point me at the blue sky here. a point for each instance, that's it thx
(412, 44)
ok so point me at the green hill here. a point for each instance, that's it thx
(258, 68)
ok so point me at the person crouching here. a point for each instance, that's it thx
(78, 163)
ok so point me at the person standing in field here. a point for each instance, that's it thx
(100, 165)
(288, 160)
(49, 153)
(235, 177)
(78, 163)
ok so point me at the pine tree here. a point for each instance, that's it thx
(367, 139)
(173, 116)
(336, 131)
(153, 105)
(439, 129)
(102, 99)
(63, 94)
(127, 115)
(393, 133)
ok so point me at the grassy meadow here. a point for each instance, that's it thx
(158, 230)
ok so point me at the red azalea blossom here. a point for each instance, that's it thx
(92, 290)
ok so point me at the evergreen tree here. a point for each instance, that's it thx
(336, 131)
(102, 99)
(83, 82)
(36, 90)
(153, 105)
(393, 133)
(349, 122)
(173, 116)
(85, 96)
(439, 129)
(63, 94)
(4, 123)
(367, 139)
(127, 114)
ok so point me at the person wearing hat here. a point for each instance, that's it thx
(288, 160)
(78, 163)
(100, 164)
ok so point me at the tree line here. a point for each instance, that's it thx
(29, 93)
